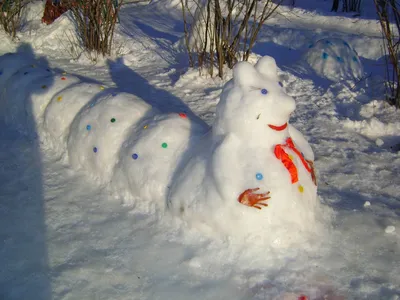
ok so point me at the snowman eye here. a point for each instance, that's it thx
(264, 91)
(280, 83)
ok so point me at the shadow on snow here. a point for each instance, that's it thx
(24, 253)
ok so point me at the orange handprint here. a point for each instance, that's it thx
(249, 198)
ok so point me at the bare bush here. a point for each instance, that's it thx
(389, 18)
(95, 20)
(11, 12)
(222, 32)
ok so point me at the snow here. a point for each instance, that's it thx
(64, 232)
(390, 229)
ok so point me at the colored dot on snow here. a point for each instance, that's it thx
(164, 145)
(339, 59)
(102, 87)
(264, 91)
(182, 115)
(301, 188)
(95, 149)
(135, 156)
(259, 176)
(63, 78)
(88, 127)
(325, 55)
(112, 120)
(145, 126)
(59, 98)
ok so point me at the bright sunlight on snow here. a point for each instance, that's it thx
(135, 177)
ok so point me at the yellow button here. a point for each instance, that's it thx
(102, 87)
(301, 189)
(291, 157)
(59, 98)
(145, 126)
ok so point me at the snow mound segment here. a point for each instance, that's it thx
(251, 172)
(334, 59)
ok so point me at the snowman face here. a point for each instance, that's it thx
(267, 105)
(254, 105)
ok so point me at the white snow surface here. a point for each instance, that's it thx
(64, 233)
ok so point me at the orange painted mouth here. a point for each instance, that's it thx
(278, 128)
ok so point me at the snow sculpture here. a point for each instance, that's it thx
(250, 159)
(334, 59)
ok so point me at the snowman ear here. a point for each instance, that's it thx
(267, 66)
(244, 74)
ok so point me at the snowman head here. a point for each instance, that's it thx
(253, 104)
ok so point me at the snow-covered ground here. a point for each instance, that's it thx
(65, 237)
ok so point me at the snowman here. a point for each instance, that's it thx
(252, 159)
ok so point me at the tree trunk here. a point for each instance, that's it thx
(345, 7)
(335, 5)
